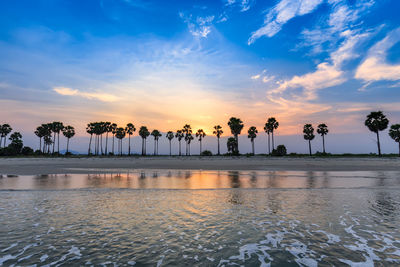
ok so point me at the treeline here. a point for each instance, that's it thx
(101, 132)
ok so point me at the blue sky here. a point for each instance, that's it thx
(167, 63)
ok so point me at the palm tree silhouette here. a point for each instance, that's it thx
(376, 121)
(40, 132)
(218, 132)
(68, 132)
(187, 130)
(394, 133)
(120, 134)
(308, 131)
(323, 130)
(57, 127)
(170, 136)
(252, 134)
(90, 130)
(113, 129)
(156, 134)
(144, 133)
(236, 125)
(200, 134)
(273, 124)
(5, 129)
(130, 129)
(268, 131)
(179, 134)
(108, 129)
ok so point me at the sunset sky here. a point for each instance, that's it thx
(166, 63)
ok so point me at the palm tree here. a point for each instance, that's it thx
(46, 135)
(376, 121)
(108, 129)
(40, 132)
(236, 126)
(394, 133)
(308, 131)
(144, 133)
(57, 127)
(130, 128)
(90, 130)
(272, 125)
(268, 131)
(5, 129)
(323, 130)
(200, 135)
(252, 134)
(188, 138)
(179, 134)
(68, 132)
(170, 136)
(231, 144)
(113, 129)
(156, 134)
(218, 132)
(187, 130)
(47, 143)
(120, 135)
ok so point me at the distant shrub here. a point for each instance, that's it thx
(68, 154)
(322, 154)
(249, 155)
(206, 153)
(279, 151)
(26, 151)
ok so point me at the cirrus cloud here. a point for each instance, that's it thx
(104, 97)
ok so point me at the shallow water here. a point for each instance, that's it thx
(208, 219)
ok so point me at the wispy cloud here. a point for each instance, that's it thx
(375, 68)
(280, 14)
(198, 26)
(104, 97)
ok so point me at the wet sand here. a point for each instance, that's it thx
(36, 166)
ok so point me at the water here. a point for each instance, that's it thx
(201, 218)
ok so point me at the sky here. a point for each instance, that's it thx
(167, 63)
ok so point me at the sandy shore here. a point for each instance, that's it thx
(36, 166)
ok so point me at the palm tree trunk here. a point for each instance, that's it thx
(106, 143)
(113, 144)
(309, 146)
(58, 143)
(180, 153)
(101, 143)
(269, 146)
(54, 141)
(90, 143)
(273, 144)
(40, 143)
(67, 145)
(237, 144)
(200, 147)
(399, 149)
(379, 144)
(218, 147)
(129, 149)
(252, 145)
(323, 143)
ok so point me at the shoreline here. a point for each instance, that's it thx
(63, 165)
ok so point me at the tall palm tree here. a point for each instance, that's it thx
(40, 132)
(170, 136)
(376, 121)
(120, 135)
(394, 133)
(272, 124)
(252, 134)
(308, 131)
(268, 131)
(130, 129)
(218, 132)
(236, 125)
(57, 127)
(187, 130)
(46, 136)
(188, 138)
(144, 133)
(5, 130)
(113, 129)
(200, 134)
(156, 134)
(68, 132)
(179, 134)
(90, 130)
(47, 143)
(108, 129)
(323, 130)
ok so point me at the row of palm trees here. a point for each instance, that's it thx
(50, 134)
(49, 131)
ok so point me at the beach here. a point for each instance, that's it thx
(37, 166)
